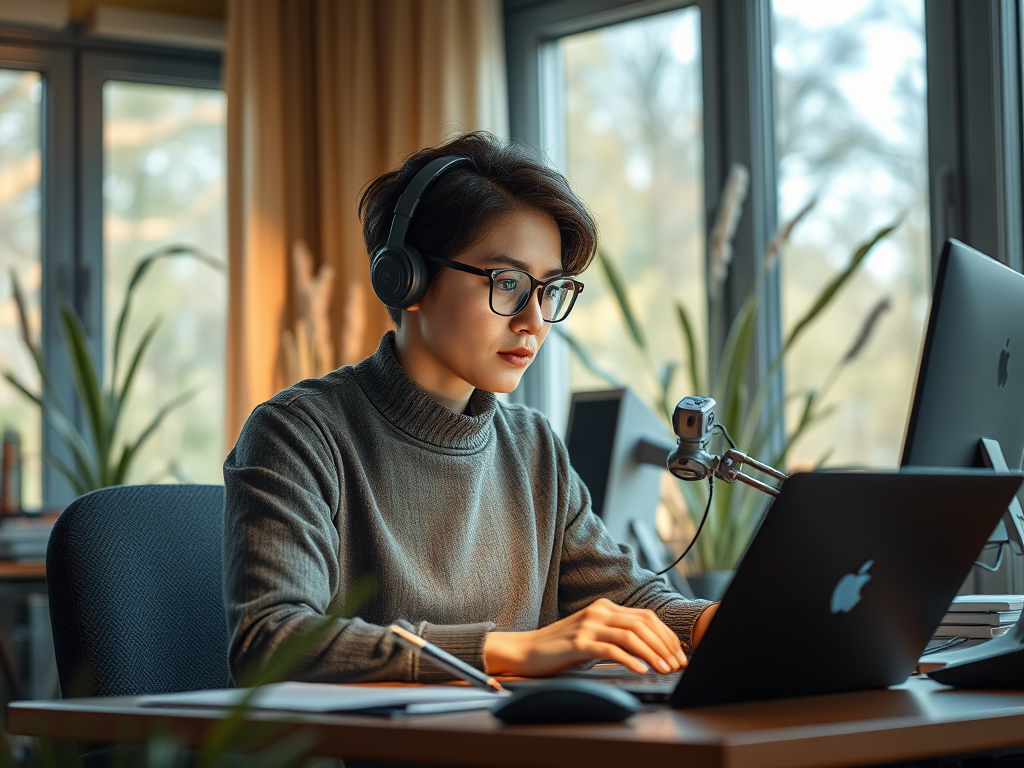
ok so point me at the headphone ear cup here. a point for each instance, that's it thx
(399, 276)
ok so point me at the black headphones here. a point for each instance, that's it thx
(398, 272)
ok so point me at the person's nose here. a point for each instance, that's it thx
(529, 320)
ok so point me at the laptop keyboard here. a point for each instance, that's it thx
(621, 677)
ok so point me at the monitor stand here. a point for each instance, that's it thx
(999, 662)
(1013, 518)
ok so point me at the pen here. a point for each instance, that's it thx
(444, 660)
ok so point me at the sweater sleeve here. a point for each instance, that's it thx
(593, 566)
(281, 570)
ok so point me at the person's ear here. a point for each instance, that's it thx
(412, 308)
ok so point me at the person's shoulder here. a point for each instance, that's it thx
(311, 404)
(317, 394)
(526, 423)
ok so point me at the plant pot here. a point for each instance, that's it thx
(710, 585)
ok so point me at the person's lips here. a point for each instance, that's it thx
(520, 356)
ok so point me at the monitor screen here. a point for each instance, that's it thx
(970, 383)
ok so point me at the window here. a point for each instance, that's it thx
(21, 99)
(851, 131)
(164, 183)
(109, 151)
(634, 150)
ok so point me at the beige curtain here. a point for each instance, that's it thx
(324, 95)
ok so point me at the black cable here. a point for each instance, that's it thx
(999, 560)
(726, 435)
(951, 643)
(707, 508)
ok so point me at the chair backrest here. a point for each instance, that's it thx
(134, 578)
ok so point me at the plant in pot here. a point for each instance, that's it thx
(99, 455)
(734, 509)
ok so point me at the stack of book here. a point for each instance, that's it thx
(25, 538)
(979, 617)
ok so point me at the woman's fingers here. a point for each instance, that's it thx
(645, 624)
(598, 650)
(630, 642)
(651, 638)
(651, 620)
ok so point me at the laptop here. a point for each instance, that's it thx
(840, 589)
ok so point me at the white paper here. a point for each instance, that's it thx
(323, 697)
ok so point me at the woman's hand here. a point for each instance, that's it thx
(602, 630)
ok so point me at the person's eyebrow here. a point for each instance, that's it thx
(512, 261)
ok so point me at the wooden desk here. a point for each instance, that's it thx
(919, 719)
(21, 570)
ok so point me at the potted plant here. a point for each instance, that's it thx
(734, 510)
(100, 457)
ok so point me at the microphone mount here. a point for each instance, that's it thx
(727, 468)
(694, 425)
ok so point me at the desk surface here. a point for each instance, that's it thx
(916, 720)
(17, 570)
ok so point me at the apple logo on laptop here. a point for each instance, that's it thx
(1004, 365)
(847, 591)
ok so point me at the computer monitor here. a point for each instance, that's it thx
(619, 448)
(967, 388)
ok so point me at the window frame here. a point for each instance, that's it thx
(75, 66)
(738, 127)
(974, 69)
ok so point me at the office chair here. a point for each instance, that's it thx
(134, 578)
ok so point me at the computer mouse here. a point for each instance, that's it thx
(567, 701)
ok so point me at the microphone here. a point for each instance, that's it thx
(694, 423)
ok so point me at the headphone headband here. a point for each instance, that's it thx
(398, 272)
(409, 200)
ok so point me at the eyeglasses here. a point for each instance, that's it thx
(511, 289)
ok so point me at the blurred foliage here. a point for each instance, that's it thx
(735, 508)
(20, 231)
(98, 457)
(236, 740)
(851, 123)
(165, 181)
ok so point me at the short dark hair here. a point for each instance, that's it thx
(459, 206)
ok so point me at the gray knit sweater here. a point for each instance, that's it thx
(466, 524)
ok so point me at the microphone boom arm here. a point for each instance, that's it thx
(727, 468)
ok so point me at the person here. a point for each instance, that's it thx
(463, 509)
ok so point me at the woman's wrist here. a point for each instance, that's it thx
(502, 652)
(700, 626)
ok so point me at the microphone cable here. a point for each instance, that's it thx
(711, 492)
(707, 508)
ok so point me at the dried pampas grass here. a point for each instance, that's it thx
(308, 350)
(730, 207)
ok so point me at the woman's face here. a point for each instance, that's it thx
(459, 342)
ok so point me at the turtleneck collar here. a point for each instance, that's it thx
(403, 403)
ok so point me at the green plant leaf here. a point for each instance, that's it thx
(73, 478)
(118, 397)
(666, 373)
(23, 389)
(67, 430)
(235, 730)
(618, 287)
(584, 357)
(123, 465)
(690, 344)
(810, 417)
(734, 362)
(154, 424)
(87, 382)
(829, 292)
(26, 337)
(143, 266)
